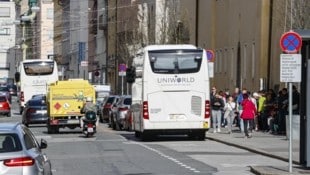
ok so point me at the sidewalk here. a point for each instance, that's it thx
(275, 146)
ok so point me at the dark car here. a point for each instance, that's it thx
(108, 105)
(12, 89)
(35, 111)
(20, 152)
(119, 112)
(5, 107)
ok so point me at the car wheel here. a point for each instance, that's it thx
(9, 114)
(117, 126)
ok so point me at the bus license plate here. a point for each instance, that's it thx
(176, 117)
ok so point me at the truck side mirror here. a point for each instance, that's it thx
(130, 75)
(17, 76)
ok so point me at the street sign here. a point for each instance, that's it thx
(122, 67)
(290, 42)
(84, 63)
(210, 55)
(290, 70)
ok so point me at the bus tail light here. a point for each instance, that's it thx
(207, 109)
(22, 98)
(145, 110)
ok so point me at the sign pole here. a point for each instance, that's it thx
(290, 127)
(290, 43)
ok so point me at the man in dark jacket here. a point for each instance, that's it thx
(217, 105)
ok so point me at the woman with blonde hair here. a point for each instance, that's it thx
(229, 115)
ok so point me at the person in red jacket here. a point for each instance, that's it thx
(247, 114)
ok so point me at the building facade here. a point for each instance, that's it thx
(8, 50)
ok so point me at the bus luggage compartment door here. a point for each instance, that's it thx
(176, 106)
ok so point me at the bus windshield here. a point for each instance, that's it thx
(175, 61)
(39, 68)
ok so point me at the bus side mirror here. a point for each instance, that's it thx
(17, 76)
(130, 75)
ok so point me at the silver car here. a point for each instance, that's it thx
(20, 152)
(119, 112)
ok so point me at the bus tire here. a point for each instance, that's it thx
(146, 136)
(201, 135)
(137, 134)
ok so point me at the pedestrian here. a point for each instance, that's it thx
(260, 108)
(295, 102)
(217, 105)
(248, 114)
(282, 110)
(229, 115)
(239, 107)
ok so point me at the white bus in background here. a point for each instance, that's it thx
(33, 76)
(170, 91)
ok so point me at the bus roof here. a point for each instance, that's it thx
(36, 60)
(170, 46)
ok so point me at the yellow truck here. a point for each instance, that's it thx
(64, 101)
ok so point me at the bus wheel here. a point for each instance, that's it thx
(201, 135)
(146, 136)
(137, 134)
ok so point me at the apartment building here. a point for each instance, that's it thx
(8, 48)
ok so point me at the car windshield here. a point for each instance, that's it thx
(10, 143)
(4, 88)
(37, 102)
(110, 100)
(127, 101)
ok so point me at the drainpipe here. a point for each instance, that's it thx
(197, 20)
(269, 42)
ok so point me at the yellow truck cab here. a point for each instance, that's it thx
(64, 102)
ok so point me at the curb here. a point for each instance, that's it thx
(258, 151)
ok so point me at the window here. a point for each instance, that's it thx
(175, 61)
(5, 11)
(5, 31)
(9, 143)
(39, 68)
(50, 13)
(30, 141)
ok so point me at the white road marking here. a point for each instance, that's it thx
(166, 156)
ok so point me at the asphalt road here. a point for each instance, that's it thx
(120, 153)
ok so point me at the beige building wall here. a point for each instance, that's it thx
(237, 31)
(46, 29)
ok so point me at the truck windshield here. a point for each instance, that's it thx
(175, 61)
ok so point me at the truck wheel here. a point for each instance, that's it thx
(52, 129)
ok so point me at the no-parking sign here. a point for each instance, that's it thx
(290, 42)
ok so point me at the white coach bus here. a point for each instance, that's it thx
(170, 91)
(33, 76)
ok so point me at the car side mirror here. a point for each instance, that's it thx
(43, 144)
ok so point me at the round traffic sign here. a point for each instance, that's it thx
(210, 55)
(290, 42)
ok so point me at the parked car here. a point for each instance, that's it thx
(128, 121)
(12, 89)
(119, 111)
(5, 107)
(107, 107)
(35, 111)
(20, 152)
(4, 90)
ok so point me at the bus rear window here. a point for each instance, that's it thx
(175, 61)
(39, 68)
